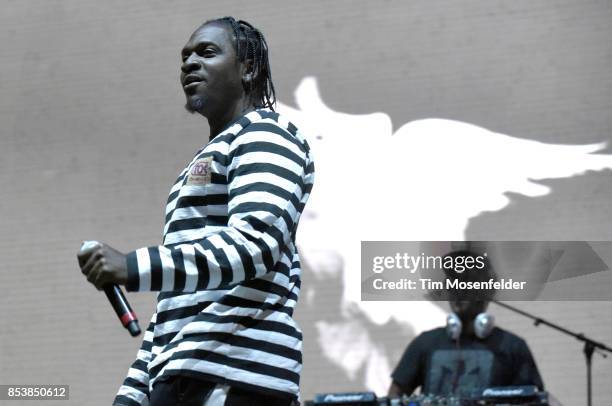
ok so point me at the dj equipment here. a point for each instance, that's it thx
(345, 399)
(511, 395)
(483, 325)
(495, 396)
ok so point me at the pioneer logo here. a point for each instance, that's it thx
(344, 398)
(503, 392)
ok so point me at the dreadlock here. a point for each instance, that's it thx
(250, 45)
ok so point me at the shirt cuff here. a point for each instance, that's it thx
(133, 276)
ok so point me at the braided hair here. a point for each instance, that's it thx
(251, 45)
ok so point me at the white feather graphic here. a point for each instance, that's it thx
(423, 182)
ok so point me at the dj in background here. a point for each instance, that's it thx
(469, 353)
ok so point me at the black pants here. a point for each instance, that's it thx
(187, 391)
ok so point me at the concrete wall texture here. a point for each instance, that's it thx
(94, 132)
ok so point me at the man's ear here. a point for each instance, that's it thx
(248, 72)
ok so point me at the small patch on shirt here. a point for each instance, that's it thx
(200, 171)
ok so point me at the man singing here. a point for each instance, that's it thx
(228, 270)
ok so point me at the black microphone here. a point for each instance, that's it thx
(119, 302)
(122, 308)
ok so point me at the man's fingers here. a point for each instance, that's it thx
(82, 257)
(92, 274)
(101, 279)
(97, 275)
(93, 259)
(102, 265)
(87, 248)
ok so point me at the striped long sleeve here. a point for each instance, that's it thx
(266, 171)
(135, 387)
(228, 270)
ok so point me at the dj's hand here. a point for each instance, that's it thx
(102, 264)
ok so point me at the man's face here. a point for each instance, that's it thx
(211, 76)
(467, 310)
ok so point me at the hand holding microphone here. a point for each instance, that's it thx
(102, 265)
(105, 268)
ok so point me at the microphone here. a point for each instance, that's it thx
(118, 301)
(122, 308)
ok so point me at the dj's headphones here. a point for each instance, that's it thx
(483, 325)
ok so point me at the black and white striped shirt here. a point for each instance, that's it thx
(228, 271)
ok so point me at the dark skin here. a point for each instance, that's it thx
(467, 310)
(213, 79)
(103, 265)
(214, 82)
